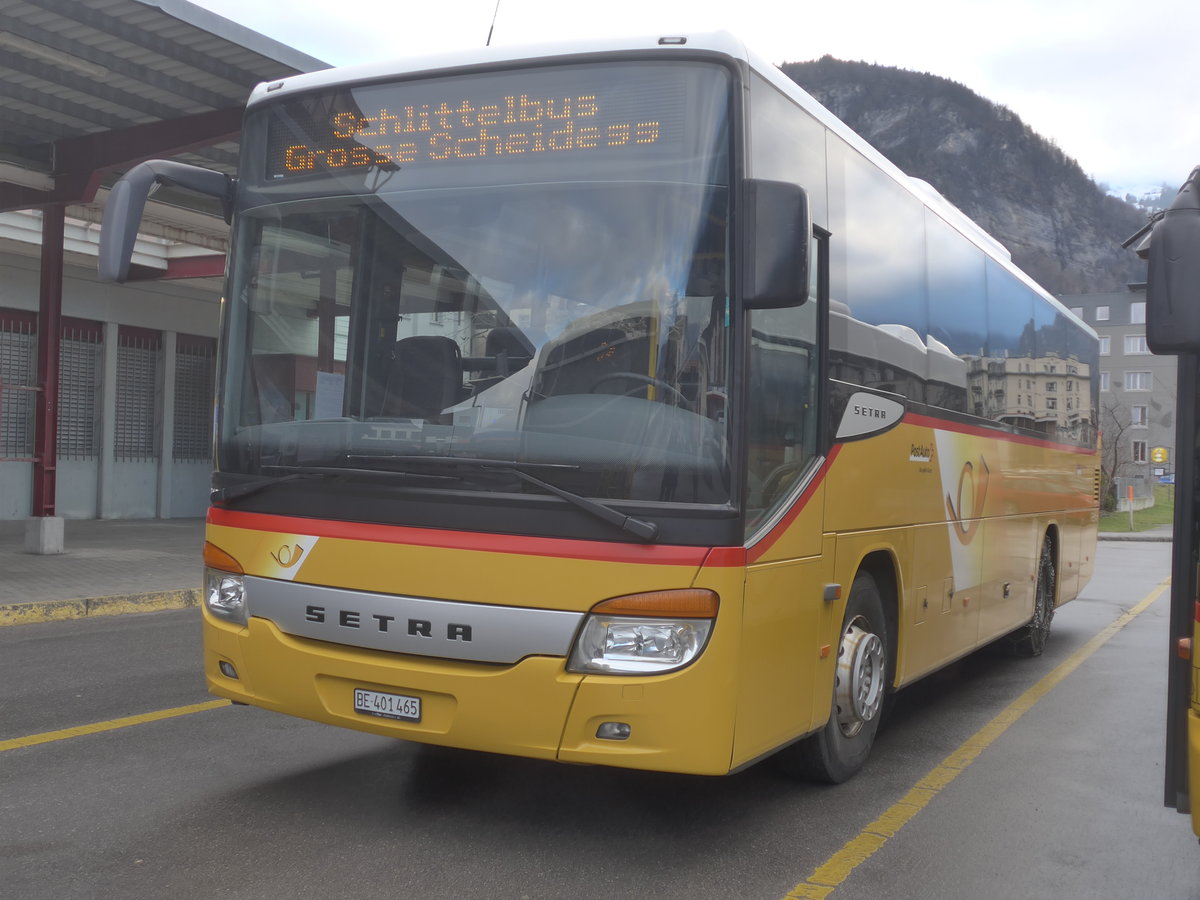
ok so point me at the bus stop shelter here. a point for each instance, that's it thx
(91, 88)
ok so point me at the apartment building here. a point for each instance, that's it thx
(1137, 389)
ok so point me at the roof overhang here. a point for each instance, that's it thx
(93, 87)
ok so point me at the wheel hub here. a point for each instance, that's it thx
(860, 679)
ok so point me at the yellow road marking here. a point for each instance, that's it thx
(826, 877)
(47, 737)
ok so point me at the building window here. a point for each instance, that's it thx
(1077, 311)
(195, 376)
(1051, 387)
(1137, 313)
(1101, 313)
(18, 383)
(78, 379)
(1136, 343)
(1104, 344)
(1139, 451)
(1139, 416)
(78, 385)
(1051, 403)
(1137, 381)
(138, 356)
(1104, 381)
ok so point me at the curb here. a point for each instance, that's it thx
(61, 610)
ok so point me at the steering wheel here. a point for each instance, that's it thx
(644, 379)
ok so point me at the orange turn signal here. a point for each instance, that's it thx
(689, 603)
(1183, 648)
(216, 558)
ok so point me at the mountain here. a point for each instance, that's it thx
(1060, 226)
(1153, 200)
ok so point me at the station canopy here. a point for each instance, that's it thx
(92, 87)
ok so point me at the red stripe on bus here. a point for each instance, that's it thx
(564, 548)
(919, 421)
(725, 558)
(768, 541)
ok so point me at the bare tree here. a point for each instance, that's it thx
(1116, 454)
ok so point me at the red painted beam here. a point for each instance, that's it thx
(45, 446)
(168, 137)
(196, 267)
(80, 163)
(207, 266)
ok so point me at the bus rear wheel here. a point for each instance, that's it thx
(839, 750)
(1030, 640)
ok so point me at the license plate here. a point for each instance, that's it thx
(387, 706)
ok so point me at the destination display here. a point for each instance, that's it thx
(583, 111)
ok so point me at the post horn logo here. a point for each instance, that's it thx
(971, 483)
(287, 556)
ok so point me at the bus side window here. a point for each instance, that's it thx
(782, 413)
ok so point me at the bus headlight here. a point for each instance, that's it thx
(645, 634)
(224, 585)
(225, 595)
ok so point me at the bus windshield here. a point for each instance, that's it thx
(525, 266)
(583, 327)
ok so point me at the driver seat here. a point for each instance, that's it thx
(424, 378)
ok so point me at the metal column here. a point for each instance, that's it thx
(45, 450)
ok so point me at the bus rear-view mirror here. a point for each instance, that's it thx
(1173, 275)
(775, 241)
(127, 201)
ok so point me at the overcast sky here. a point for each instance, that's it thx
(1112, 82)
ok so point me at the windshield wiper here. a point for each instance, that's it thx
(639, 528)
(245, 489)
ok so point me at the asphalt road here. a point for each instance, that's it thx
(235, 802)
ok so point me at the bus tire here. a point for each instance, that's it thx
(1030, 640)
(836, 752)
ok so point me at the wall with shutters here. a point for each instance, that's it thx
(18, 356)
(136, 382)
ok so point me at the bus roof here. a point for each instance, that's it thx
(714, 42)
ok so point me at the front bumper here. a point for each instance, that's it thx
(679, 722)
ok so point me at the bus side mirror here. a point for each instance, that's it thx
(127, 201)
(776, 233)
(1173, 275)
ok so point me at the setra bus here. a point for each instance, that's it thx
(616, 404)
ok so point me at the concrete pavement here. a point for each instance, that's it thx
(116, 566)
(108, 567)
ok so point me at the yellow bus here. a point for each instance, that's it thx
(616, 404)
(1172, 246)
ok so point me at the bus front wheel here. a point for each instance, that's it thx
(841, 748)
